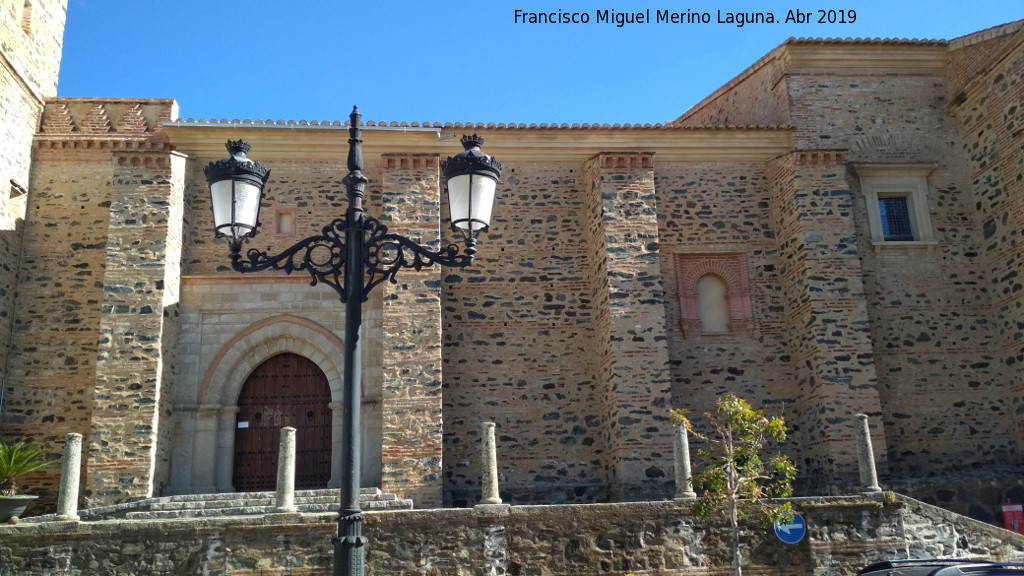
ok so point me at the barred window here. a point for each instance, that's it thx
(897, 203)
(894, 213)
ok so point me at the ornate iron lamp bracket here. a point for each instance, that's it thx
(323, 257)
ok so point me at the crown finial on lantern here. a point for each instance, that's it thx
(237, 147)
(470, 142)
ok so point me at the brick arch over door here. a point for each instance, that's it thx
(256, 344)
(213, 441)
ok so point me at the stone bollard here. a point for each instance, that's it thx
(70, 475)
(866, 456)
(684, 476)
(490, 465)
(285, 499)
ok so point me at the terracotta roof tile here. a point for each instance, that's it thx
(467, 125)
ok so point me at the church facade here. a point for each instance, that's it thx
(834, 232)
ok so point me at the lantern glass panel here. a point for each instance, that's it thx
(468, 192)
(244, 197)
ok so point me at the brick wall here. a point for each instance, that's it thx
(90, 316)
(28, 76)
(756, 97)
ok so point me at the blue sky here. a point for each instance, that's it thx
(456, 61)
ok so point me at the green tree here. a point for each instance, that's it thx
(734, 479)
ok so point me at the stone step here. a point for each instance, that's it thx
(267, 500)
(166, 514)
(232, 504)
(363, 494)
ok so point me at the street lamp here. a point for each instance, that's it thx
(352, 255)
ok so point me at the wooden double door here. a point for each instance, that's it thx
(286, 390)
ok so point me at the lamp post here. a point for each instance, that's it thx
(352, 255)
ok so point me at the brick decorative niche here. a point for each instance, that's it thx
(730, 270)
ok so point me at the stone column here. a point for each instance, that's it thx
(285, 499)
(225, 466)
(489, 461)
(684, 477)
(70, 475)
(866, 456)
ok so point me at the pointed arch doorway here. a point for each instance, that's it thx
(285, 390)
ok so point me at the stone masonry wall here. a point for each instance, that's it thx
(29, 68)
(138, 329)
(834, 109)
(220, 305)
(929, 306)
(93, 156)
(52, 366)
(827, 314)
(641, 538)
(519, 343)
(989, 113)
(929, 310)
(640, 384)
(971, 54)
(411, 335)
(709, 210)
(941, 387)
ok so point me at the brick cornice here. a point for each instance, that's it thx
(101, 142)
(819, 157)
(627, 160)
(410, 161)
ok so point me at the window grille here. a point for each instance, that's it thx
(895, 215)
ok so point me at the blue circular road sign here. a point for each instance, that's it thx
(792, 532)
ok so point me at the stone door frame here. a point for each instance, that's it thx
(213, 440)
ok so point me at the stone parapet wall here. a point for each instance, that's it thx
(615, 539)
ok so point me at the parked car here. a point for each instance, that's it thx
(940, 568)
